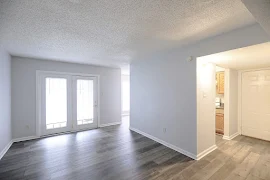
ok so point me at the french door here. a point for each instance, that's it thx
(85, 102)
(68, 103)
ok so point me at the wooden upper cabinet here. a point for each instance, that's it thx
(220, 82)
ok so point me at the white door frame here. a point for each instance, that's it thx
(38, 96)
(240, 73)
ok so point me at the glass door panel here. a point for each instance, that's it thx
(125, 96)
(85, 101)
(84, 109)
(56, 103)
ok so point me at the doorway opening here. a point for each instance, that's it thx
(219, 100)
(233, 95)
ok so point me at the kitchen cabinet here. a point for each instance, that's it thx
(220, 82)
(220, 121)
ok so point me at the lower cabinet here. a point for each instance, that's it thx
(219, 123)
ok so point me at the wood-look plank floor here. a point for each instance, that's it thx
(116, 153)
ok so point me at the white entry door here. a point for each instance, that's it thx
(256, 104)
(67, 103)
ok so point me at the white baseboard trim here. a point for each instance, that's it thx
(191, 155)
(205, 152)
(231, 137)
(4, 151)
(25, 138)
(110, 124)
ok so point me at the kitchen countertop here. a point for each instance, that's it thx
(219, 107)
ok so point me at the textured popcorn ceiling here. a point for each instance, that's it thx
(112, 32)
(251, 57)
(260, 9)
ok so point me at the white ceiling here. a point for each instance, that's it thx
(252, 57)
(112, 32)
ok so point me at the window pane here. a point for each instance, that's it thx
(56, 103)
(125, 96)
(85, 101)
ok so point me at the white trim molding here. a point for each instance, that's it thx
(240, 102)
(25, 138)
(4, 151)
(231, 137)
(205, 152)
(191, 155)
(109, 124)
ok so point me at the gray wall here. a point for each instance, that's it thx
(233, 102)
(23, 81)
(163, 87)
(5, 120)
(163, 95)
(206, 107)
